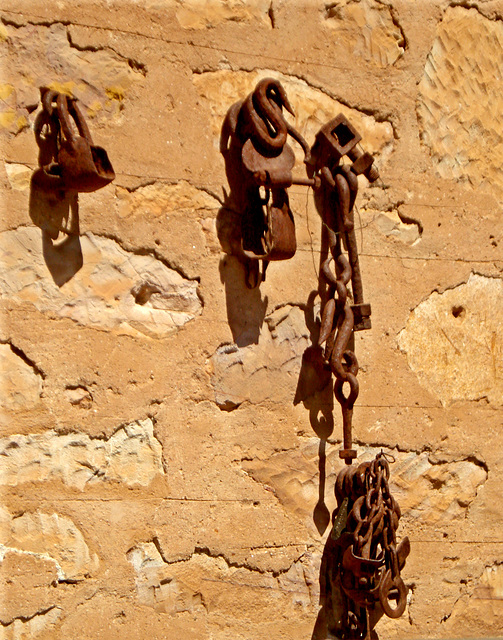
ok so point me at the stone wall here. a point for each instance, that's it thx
(159, 477)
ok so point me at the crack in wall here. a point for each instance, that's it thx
(135, 65)
(25, 619)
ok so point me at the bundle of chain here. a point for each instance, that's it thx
(367, 570)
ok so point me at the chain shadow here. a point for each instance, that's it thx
(315, 391)
(57, 215)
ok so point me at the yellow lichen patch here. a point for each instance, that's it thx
(6, 90)
(4, 34)
(7, 118)
(21, 123)
(115, 93)
(63, 87)
(94, 108)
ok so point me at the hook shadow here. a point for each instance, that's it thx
(57, 213)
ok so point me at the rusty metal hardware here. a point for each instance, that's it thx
(365, 573)
(258, 159)
(68, 159)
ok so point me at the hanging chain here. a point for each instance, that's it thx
(364, 577)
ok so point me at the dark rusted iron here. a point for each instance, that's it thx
(254, 146)
(364, 578)
(68, 159)
(363, 575)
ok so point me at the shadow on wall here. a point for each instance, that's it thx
(57, 214)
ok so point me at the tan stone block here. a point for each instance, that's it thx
(21, 386)
(132, 455)
(460, 99)
(313, 107)
(367, 29)
(114, 289)
(453, 341)
(204, 14)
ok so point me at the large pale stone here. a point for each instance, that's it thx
(114, 290)
(23, 628)
(19, 176)
(203, 581)
(159, 199)
(367, 29)
(491, 583)
(427, 491)
(132, 455)
(461, 99)
(100, 77)
(454, 343)
(391, 225)
(21, 385)
(52, 537)
(201, 14)
(264, 371)
(157, 585)
(312, 107)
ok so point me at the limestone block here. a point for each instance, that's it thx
(132, 455)
(312, 107)
(367, 29)
(100, 77)
(202, 14)
(491, 582)
(25, 584)
(482, 606)
(204, 583)
(453, 341)
(79, 397)
(19, 176)
(265, 371)
(427, 491)
(54, 538)
(23, 628)
(163, 200)
(461, 99)
(391, 225)
(114, 290)
(21, 385)
(156, 585)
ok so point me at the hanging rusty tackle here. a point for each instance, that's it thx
(364, 575)
(69, 162)
(364, 579)
(254, 146)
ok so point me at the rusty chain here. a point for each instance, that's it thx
(364, 575)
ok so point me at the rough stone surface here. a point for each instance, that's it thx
(185, 586)
(113, 290)
(23, 628)
(19, 176)
(427, 490)
(53, 538)
(458, 108)
(367, 29)
(257, 373)
(100, 78)
(453, 341)
(312, 107)
(21, 385)
(168, 448)
(204, 14)
(131, 455)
